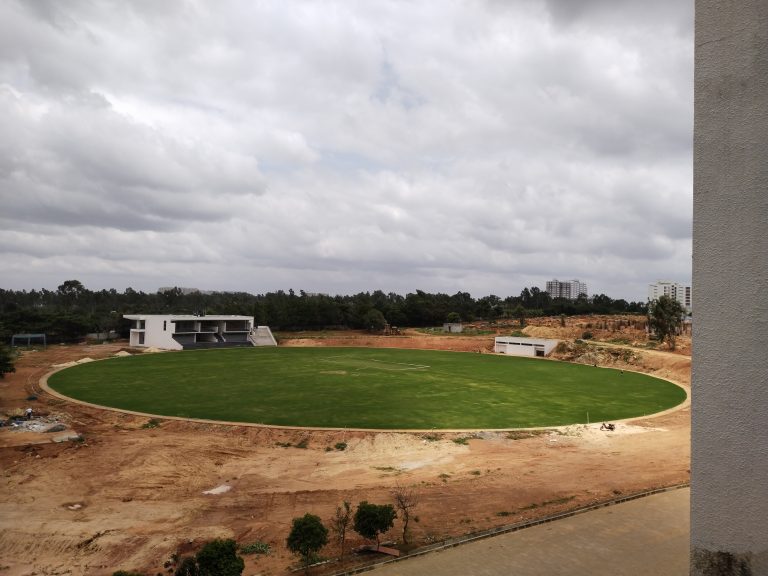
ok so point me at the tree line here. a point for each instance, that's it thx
(72, 311)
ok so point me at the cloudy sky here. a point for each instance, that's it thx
(337, 147)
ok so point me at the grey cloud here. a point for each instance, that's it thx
(652, 13)
(474, 145)
(80, 163)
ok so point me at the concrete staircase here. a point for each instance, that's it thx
(262, 336)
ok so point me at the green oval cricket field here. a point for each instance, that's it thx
(375, 388)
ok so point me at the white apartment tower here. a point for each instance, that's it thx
(676, 291)
(569, 289)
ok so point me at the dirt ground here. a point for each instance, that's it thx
(126, 496)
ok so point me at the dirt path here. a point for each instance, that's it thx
(127, 497)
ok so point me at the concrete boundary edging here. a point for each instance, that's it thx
(477, 536)
(43, 383)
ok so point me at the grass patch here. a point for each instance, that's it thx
(558, 501)
(255, 548)
(152, 423)
(386, 468)
(366, 388)
(463, 441)
(555, 502)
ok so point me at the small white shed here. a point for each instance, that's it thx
(517, 346)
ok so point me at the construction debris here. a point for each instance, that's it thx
(45, 424)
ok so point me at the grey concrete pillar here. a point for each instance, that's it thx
(729, 476)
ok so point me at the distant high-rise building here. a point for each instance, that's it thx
(676, 291)
(569, 289)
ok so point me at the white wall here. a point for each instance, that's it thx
(729, 475)
(517, 346)
(156, 337)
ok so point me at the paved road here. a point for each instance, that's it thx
(644, 536)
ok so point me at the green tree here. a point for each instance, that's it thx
(374, 320)
(219, 558)
(665, 317)
(519, 313)
(339, 524)
(72, 288)
(372, 520)
(7, 359)
(307, 537)
(489, 307)
(453, 318)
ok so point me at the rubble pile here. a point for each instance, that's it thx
(36, 424)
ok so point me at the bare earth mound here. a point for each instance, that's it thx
(129, 496)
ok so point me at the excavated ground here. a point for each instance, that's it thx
(126, 496)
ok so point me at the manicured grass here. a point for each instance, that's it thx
(366, 388)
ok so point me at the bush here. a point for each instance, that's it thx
(219, 558)
(340, 446)
(587, 335)
(255, 548)
(153, 423)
